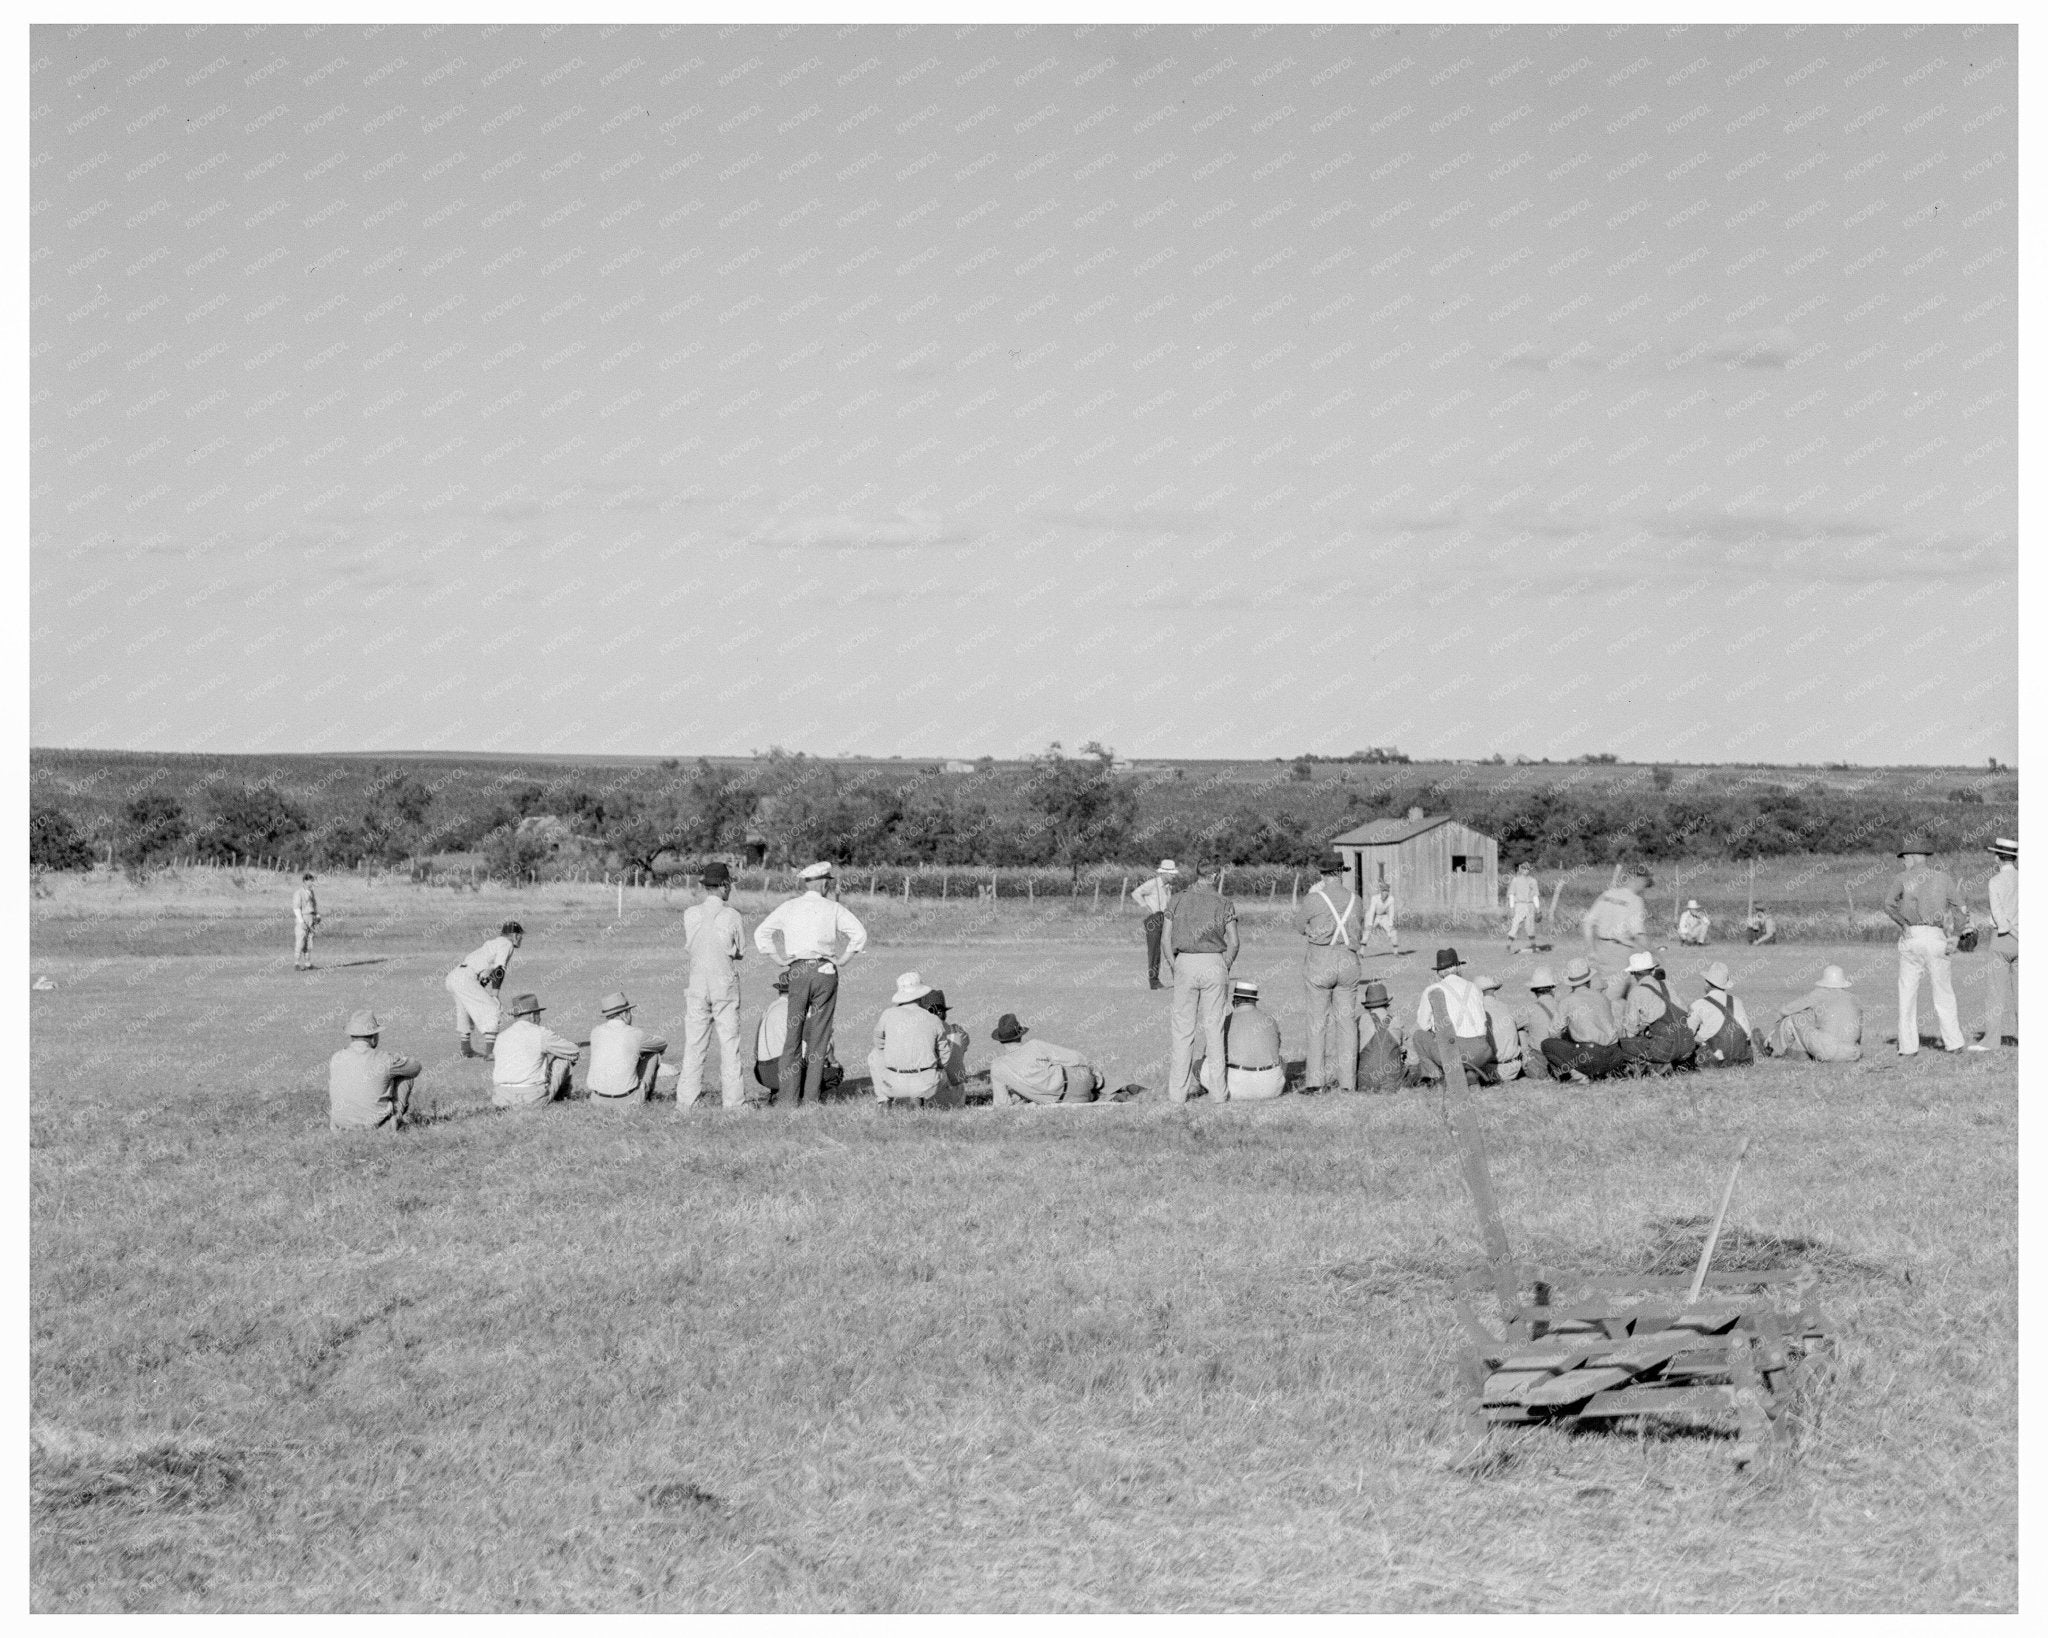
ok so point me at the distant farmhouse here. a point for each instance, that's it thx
(957, 765)
(1431, 864)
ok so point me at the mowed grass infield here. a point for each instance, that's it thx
(1127, 1358)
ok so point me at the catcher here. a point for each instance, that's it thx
(475, 985)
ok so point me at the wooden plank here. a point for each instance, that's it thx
(1681, 1282)
(1574, 1386)
(1654, 1401)
(1641, 1353)
(1509, 1387)
(1554, 1359)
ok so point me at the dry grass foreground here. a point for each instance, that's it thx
(1134, 1358)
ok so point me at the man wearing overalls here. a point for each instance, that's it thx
(1330, 970)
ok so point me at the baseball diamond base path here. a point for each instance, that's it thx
(837, 1359)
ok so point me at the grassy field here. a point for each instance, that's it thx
(1129, 1358)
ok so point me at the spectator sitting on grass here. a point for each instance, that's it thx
(1719, 1024)
(1038, 1071)
(1825, 1024)
(532, 1063)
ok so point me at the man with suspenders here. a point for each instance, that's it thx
(1330, 970)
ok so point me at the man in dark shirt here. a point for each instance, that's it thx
(1200, 942)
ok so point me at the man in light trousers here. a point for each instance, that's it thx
(715, 940)
(2002, 966)
(1922, 902)
(1331, 922)
(1200, 946)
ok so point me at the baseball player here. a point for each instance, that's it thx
(305, 917)
(1525, 900)
(475, 985)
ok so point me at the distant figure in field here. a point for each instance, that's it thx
(1693, 924)
(1383, 1051)
(1502, 1030)
(1200, 942)
(810, 926)
(770, 1036)
(368, 1090)
(1654, 1033)
(1379, 916)
(1720, 1026)
(1255, 1067)
(624, 1059)
(908, 1059)
(305, 917)
(2002, 965)
(532, 1063)
(1925, 905)
(1331, 923)
(1467, 1010)
(1037, 1071)
(1541, 1019)
(716, 943)
(1152, 895)
(1586, 1047)
(476, 985)
(1613, 927)
(1825, 1024)
(1762, 926)
(1525, 903)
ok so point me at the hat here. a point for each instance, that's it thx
(1692, 904)
(933, 1001)
(1486, 983)
(511, 927)
(908, 988)
(715, 874)
(1523, 865)
(524, 1004)
(1244, 988)
(781, 985)
(1832, 978)
(1447, 959)
(1716, 975)
(1008, 1029)
(309, 874)
(1578, 971)
(814, 872)
(363, 1023)
(1332, 866)
(1168, 868)
(1375, 995)
(1915, 844)
(615, 1002)
(1541, 979)
(2005, 847)
(1642, 962)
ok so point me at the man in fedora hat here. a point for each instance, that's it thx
(907, 1060)
(1541, 1019)
(532, 1063)
(810, 926)
(1038, 1071)
(1502, 1030)
(770, 1035)
(305, 917)
(1384, 1055)
(2002, 964)
(1693, 924)
(1152, 895)
(953, 1041)
(1926, 907)
(1331, 923)
(715, 942)
(368, 1090)
(1654, 1033)
(1720, 1026)
(1254, 1066)
(1467, 1010)
(1525, 904)
(1586, 1047)
(1200, 943)
(624, 1059)
(1825, 1024)
(476, 984)
(1613, 928)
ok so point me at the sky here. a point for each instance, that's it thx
(1206, 391)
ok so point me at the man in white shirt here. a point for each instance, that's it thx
(716, 941)
(907, 1060)
(1379, 916)
(1467, 1007)
(1613, 927)
(810, 927)
(1152, 895)
(305, 917)
(1693, 924)
(532, 1063)
(1037, 1071)
(2002, 974)
(1525, 899)
(624, 1059)
(476, 985)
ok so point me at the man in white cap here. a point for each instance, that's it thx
(1654, 1031)
(305, 917)
(1467, 1009)
(1379, 916)
(1502, 1030)
(1613, 927)
(1693, 924)
(1152, 895)
(1200, 944)
(1525, 902)
(368, 1090)
(1825, 1024)
(1332, 924)
(2002, 968)
(476, 985)
(716, 941)
(624, 1059)
(1038, 1071)
(908, 1059)
(1720, 1026)
(1254, 1066)
(810, 927)
(1924, 904)
(532, 1063)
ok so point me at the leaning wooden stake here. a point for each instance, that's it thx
(1752, 887)
(1699, 1274)
(1472, 1153)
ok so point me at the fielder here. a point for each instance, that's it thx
(1379, 914)
(305, 917)
(716, 942)
(476, 984)
(1525, 902)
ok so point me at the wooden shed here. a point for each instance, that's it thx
(1431, 863)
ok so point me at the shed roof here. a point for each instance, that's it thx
(1386, 832)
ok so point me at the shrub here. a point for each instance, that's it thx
(53, 840)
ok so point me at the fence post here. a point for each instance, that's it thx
(1098, 896)
(942, 884)
(1031, 889)
(1123, 888)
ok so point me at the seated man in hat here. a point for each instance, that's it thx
(1037, 1071)
(532, 1063)
(908, 1060)
(769, 1035)
(1383, 1051)
(1720, 1027)
(368, 1090)
(624, 1059)
(1538, 1022)
(1502, 1030)
(1586, 1047)
(952, 1092)
(1693, 924)
(1467, 1010)
(1254, 1068)
(1654, 1033)
(1825, 1024)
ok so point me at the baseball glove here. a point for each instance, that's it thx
(1967, 939)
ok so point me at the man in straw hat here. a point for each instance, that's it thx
(624, 1059)
(1467, 1010)
(1693, 923)
(810, 927)
(1037, 1071)
(1825, 1024)
(368, 1090)
(2002, 965)
(716, 942)
(1330, 922)
(1383, 1051)
(1254, 1066)
(1720, 1026)
(1926, 907)
(1613, 928)
(908, 1059)
(1200, 941)
(1586, 1048)
(1152, 895)
(532, 1063)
